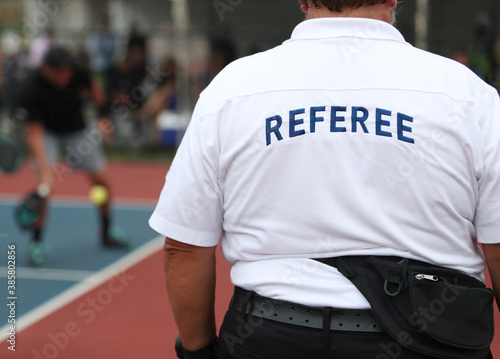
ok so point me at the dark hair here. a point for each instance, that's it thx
(58, 57)
(338, 5)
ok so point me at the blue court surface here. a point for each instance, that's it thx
(74, 250)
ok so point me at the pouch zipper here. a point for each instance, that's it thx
(432, 278)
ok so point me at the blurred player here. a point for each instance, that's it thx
(51, 101)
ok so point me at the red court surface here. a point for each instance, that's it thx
(128, 316)
(133, 323)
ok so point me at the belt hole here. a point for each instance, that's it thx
(275, 314)
(291, 318)
(261, 312)
(292, 308)
(307, 320)
(341, 325)
(358, 315)
(341, 314)
(357, 325)
(374, 325)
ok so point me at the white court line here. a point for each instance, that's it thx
(128, 206)
(68, 275)
(78, 290)
(81, 201)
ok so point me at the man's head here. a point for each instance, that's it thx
(377, 9)
(58, 67)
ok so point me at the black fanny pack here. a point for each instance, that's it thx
(426, 308)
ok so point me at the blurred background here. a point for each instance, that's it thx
(154, 57)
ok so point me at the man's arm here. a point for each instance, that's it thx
(492, 254)
(97, 93)
(155, 103)
(36, 146)
(190, 279)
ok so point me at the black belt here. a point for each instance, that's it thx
(349, 320)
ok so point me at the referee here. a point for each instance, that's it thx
(351, 178)
(51, 100)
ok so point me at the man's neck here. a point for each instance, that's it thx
(380, 12)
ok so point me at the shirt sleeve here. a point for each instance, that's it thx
(190, 206)
(487, 219)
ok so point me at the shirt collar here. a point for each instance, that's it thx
(323, 28)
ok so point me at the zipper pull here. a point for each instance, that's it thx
(427, 277)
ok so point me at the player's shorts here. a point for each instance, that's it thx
(82, 150)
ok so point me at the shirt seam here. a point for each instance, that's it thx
(219, 104)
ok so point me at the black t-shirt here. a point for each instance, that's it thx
(128, 87)
(60, 110)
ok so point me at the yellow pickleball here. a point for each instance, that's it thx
(98, 194)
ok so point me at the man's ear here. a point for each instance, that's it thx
(305, 5)
(393, 3)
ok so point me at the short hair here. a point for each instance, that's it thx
(58, 57)
(338, 5)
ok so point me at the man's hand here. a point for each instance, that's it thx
(107, 129)
(190, 279)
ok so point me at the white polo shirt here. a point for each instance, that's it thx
(345, 140)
